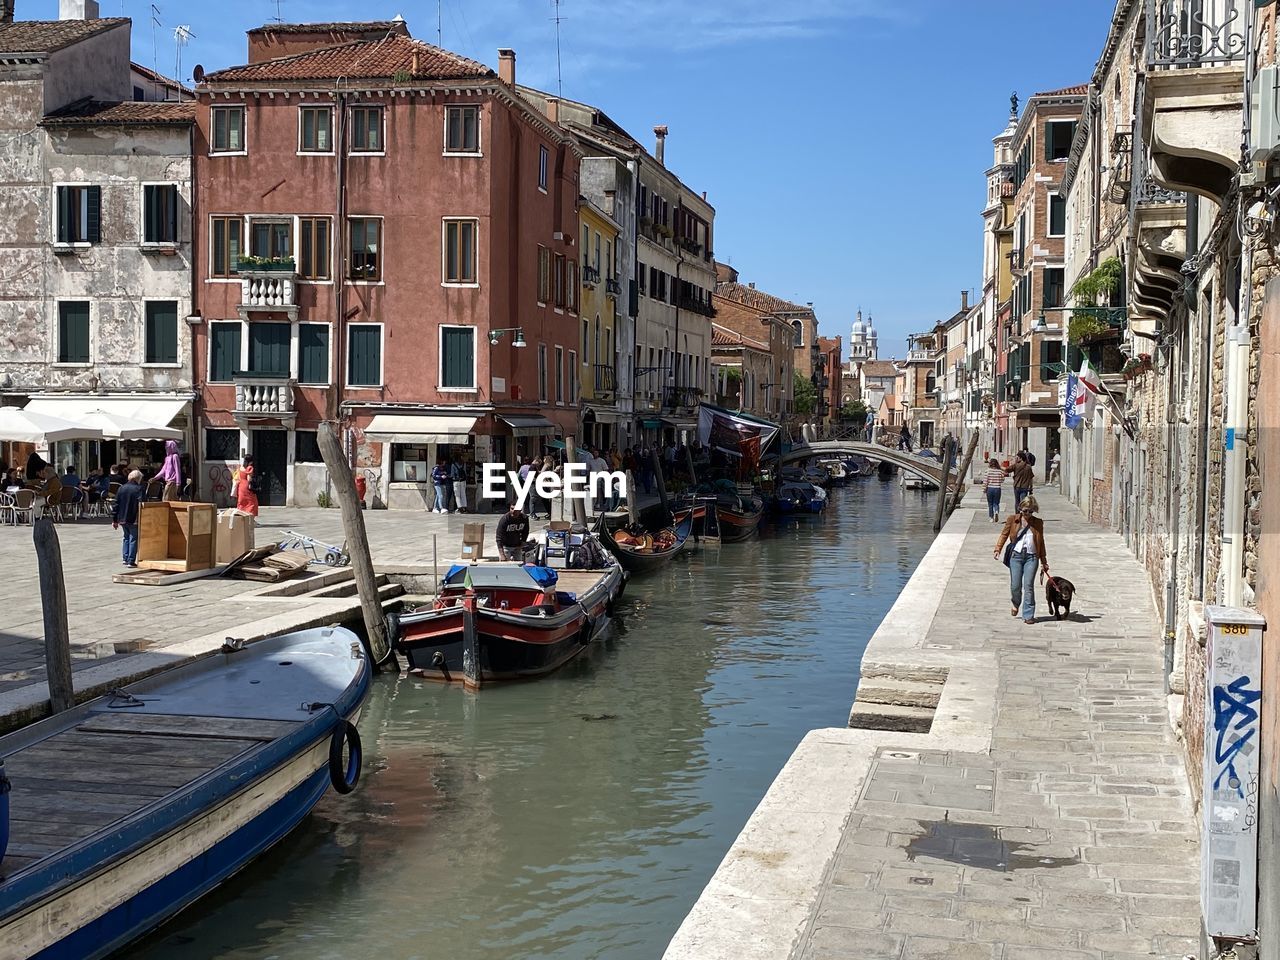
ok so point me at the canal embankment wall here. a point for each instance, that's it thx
(759, 901)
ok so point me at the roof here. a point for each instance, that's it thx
(46, 36)
(158, 78)
(890, 401)
(1079, 90)
(84, 113)
(338, 26)
(381, 59)
(722, 336)
(828, 343)
(745, 294)
(879, 368)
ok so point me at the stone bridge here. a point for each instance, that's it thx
(920, 466)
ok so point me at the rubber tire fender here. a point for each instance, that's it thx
(344, 779)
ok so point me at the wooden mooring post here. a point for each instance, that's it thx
(948, 447)
(344, 486)
(964, 471)
(579, 507)
(53, 600)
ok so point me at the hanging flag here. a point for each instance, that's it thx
(1071, 418)
(1089, 389)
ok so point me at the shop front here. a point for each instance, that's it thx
(412, 445)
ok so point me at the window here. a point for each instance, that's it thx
(271, 239)
(543, 157)
(306, 449)
(224, 351)
(226, 246)
(573, 377)
(160, 213)
(227, 124)
(544, 275)
(460, 251)
(315, 130)
(269, 349)
(559, 281)
(162, 331)
(571, 286)
(542, 373)
(1054, 286)
(1057, 215)
(221, 444)
(366, 249)
(73, 331)
(313, 353)
(640, 275)
(559, 375)
(597, 259)
(79, 214)
(313, 245)
(586, 347)
(1050, 360)
(586, 240)
(462, 129)
(366, 130)
(457, 358)
(1058, 135)
(364, 355)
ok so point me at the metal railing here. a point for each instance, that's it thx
(613, 287)
(263, 394)
(590, 274)
(606, 380)
(681, 396)
(1196, 33)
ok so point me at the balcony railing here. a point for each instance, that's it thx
(1196, 33)
(613, 287)
(590, 275)
(606, 379)
(694, 305)
(1148, 191)
(689, 244)
(681, 396)
(268, 290)
(263, 395)
(921, 355)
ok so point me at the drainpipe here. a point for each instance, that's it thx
(1237, 429)
(333, 409)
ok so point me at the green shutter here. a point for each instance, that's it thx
(162, 332)
(171, 214)
(73, 332)
(364, 364)
(93, 228)
(224, 351)
(313, 353)
(458, 357)
(65, 213)
(269, 348)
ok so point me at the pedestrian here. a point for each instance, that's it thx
(1027, 456)
(1054, 463)
(440, 480)
(245, 486)
(1024, 535)
(513, 533)
(125, 516)
(171, 471)
(904, 438)
(992, 483)
(362, 488)
(1024, 479)
(458, 474)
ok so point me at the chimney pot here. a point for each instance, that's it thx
(6, 11)
(752, 285)
(660, 149)
(553, 109)
(77, 9)
(507, 66)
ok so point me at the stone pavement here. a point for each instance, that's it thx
(1045, 814)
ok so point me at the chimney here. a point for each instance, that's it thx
(752, 285)
(964, 299)
(507, 66)
(660, 150)
(553, 109)
(77, 9)
(6, 11)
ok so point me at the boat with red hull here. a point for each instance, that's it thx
(495, 622)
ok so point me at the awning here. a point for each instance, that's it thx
(651, 424)
(419, 428)
(603, 415)
(528, 426)
(159, 409)
(680, 424)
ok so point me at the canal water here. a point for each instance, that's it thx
(579, 817)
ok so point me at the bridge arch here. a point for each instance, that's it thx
(930, 470)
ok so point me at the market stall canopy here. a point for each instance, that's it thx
(22, 425)
(116, 426)
(158, 409)
(528, 426)
(419, 428)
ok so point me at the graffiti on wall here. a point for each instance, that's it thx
(1235, 721)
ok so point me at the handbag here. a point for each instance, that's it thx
(1008, 553)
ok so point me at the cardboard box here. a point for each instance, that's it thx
(234, 535)
(473, 541)
(175, 536)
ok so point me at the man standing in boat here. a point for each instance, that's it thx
(513, 532)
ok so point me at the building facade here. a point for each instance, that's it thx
(598, 310)
(768, 353)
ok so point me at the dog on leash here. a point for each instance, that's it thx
(1058, 592)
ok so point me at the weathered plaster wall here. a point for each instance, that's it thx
(96, 67)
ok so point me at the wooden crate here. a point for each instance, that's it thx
(176, 536)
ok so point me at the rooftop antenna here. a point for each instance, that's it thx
(559, 79)
(155, 49)
(440, 23)
(181, 35)
(278, 18)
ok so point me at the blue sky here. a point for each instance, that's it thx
(842, 142)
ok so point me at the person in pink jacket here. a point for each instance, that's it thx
(171, 471)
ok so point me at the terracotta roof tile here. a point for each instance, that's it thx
(343, 26)
(725, 337)
(85, 113)
(879, 368)
(1079, 90)
(45, 36)
(361, 60)
(742, 293)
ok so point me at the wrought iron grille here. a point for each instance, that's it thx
(1195, 33)
(1148, 191)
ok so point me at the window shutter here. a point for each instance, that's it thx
(64, 214)
(269, 348)
(93, 221)
(225, 351)
(313, 353)
(171, 214)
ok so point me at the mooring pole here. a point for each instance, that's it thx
(964, 471)
(579, 506)
(947, 446)
(357, 542)
(53, 599)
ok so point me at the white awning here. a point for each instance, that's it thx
(419, 428)
(529, 426)
(603, 414)
(158, 409)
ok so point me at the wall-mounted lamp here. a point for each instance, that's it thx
(517, 339)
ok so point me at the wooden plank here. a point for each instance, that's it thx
(177, 725)
(145, 748)
(54, 804)
(160, 578)
(65, 831)
(13, 863)
(59, 790)
(53, 767)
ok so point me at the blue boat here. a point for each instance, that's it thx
(128, 808)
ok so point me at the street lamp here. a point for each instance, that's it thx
(517, 339)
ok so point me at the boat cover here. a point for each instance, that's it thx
(502, 575)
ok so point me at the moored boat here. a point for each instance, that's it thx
(128, 808)
(503, 621)
(738, 516)
(642, 551)
(806, 497)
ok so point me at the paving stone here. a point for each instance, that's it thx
(930, 948)
(1025, 935)
(841, 943)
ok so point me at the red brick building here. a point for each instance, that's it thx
(385, 240)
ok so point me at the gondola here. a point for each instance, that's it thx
(738, 516)
(642, 553)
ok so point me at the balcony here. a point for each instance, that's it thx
(1193, 92)
(703, 308)
(1158, 218)
(927, 356)
(606, 379)
(268, 291)
(261, 396)
(590, 276)
(689, 245)
(613, 287)
(681, 397)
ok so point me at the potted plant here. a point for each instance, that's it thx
(252, 264)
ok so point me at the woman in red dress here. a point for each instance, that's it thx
(245, 486)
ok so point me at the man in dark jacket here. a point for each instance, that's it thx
(1024, 478)
(128, 502)
(513, 531)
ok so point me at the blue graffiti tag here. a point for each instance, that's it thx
(1233, 713)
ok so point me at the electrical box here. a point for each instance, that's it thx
(1232, 754)
(1264, 115)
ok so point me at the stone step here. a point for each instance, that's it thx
(888, 716)
(903, 693)
(904, 671)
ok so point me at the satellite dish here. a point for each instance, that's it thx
(198, 73)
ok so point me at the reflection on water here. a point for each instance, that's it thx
(580, 816)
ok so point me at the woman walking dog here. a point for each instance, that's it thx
(1022, 542)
